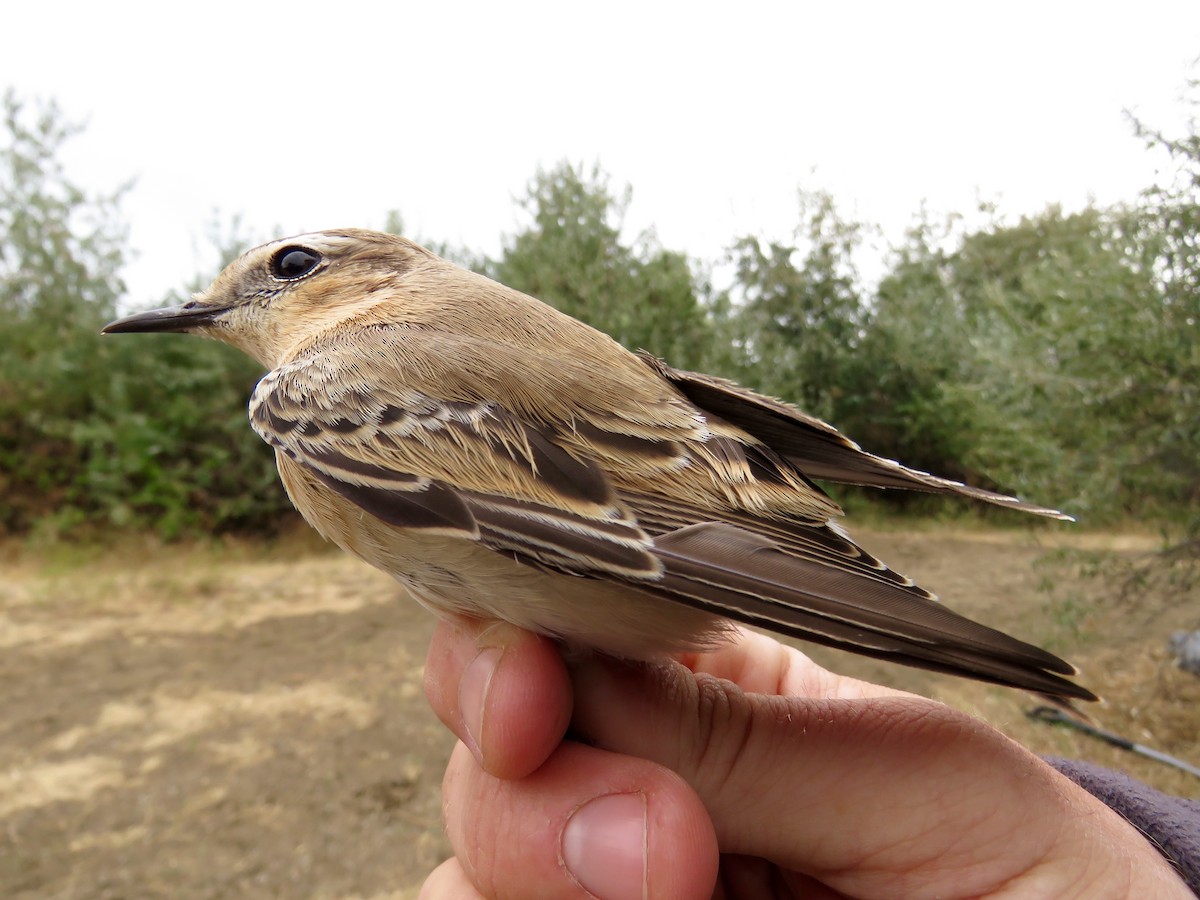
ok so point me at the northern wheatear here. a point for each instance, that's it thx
(504, 460)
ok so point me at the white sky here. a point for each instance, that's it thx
(304, 116)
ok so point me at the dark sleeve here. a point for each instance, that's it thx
(1171, 824)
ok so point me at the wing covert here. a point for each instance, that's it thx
(471, 469)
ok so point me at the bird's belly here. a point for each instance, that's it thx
(467, 578)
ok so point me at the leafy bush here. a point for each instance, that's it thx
(95, 430)
(1056, 357)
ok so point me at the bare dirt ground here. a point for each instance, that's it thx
(248, 721)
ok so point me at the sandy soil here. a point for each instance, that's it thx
(247, 721)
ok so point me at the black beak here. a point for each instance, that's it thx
(169, 318)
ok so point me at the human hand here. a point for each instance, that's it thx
(750, 769)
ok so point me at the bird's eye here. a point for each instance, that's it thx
(291, 263)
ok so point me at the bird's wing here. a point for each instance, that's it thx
(402, 440)
(812, 582)
(468, 469)
(815, 447)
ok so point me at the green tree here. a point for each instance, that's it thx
(169, 446)
(1060, 305)
(899, 396)
(61, 249)
(573, 257)
(94, 431)
(1169, 362)
(799, 309)
(1020, 357)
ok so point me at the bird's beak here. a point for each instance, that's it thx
(169, 318)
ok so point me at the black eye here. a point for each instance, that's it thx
(291, 263)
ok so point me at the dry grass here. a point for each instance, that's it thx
(247, 720)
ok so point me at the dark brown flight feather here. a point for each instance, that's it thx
(816, 448)
(749, 578)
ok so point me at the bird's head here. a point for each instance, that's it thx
(278, 295)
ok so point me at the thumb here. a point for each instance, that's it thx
(863, 794)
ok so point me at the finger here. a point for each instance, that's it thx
(760, 664)
(748, 876)
(503, 691)
(834, 788)
(449, 882)
(586, 824)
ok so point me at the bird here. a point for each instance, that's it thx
(503, 460)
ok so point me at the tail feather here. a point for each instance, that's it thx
(816, 448)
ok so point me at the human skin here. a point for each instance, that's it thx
(746, 772)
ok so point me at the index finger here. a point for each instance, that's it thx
(505, 692)
(759, 664)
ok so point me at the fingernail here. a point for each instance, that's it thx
(473, 693)
(604, 846)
